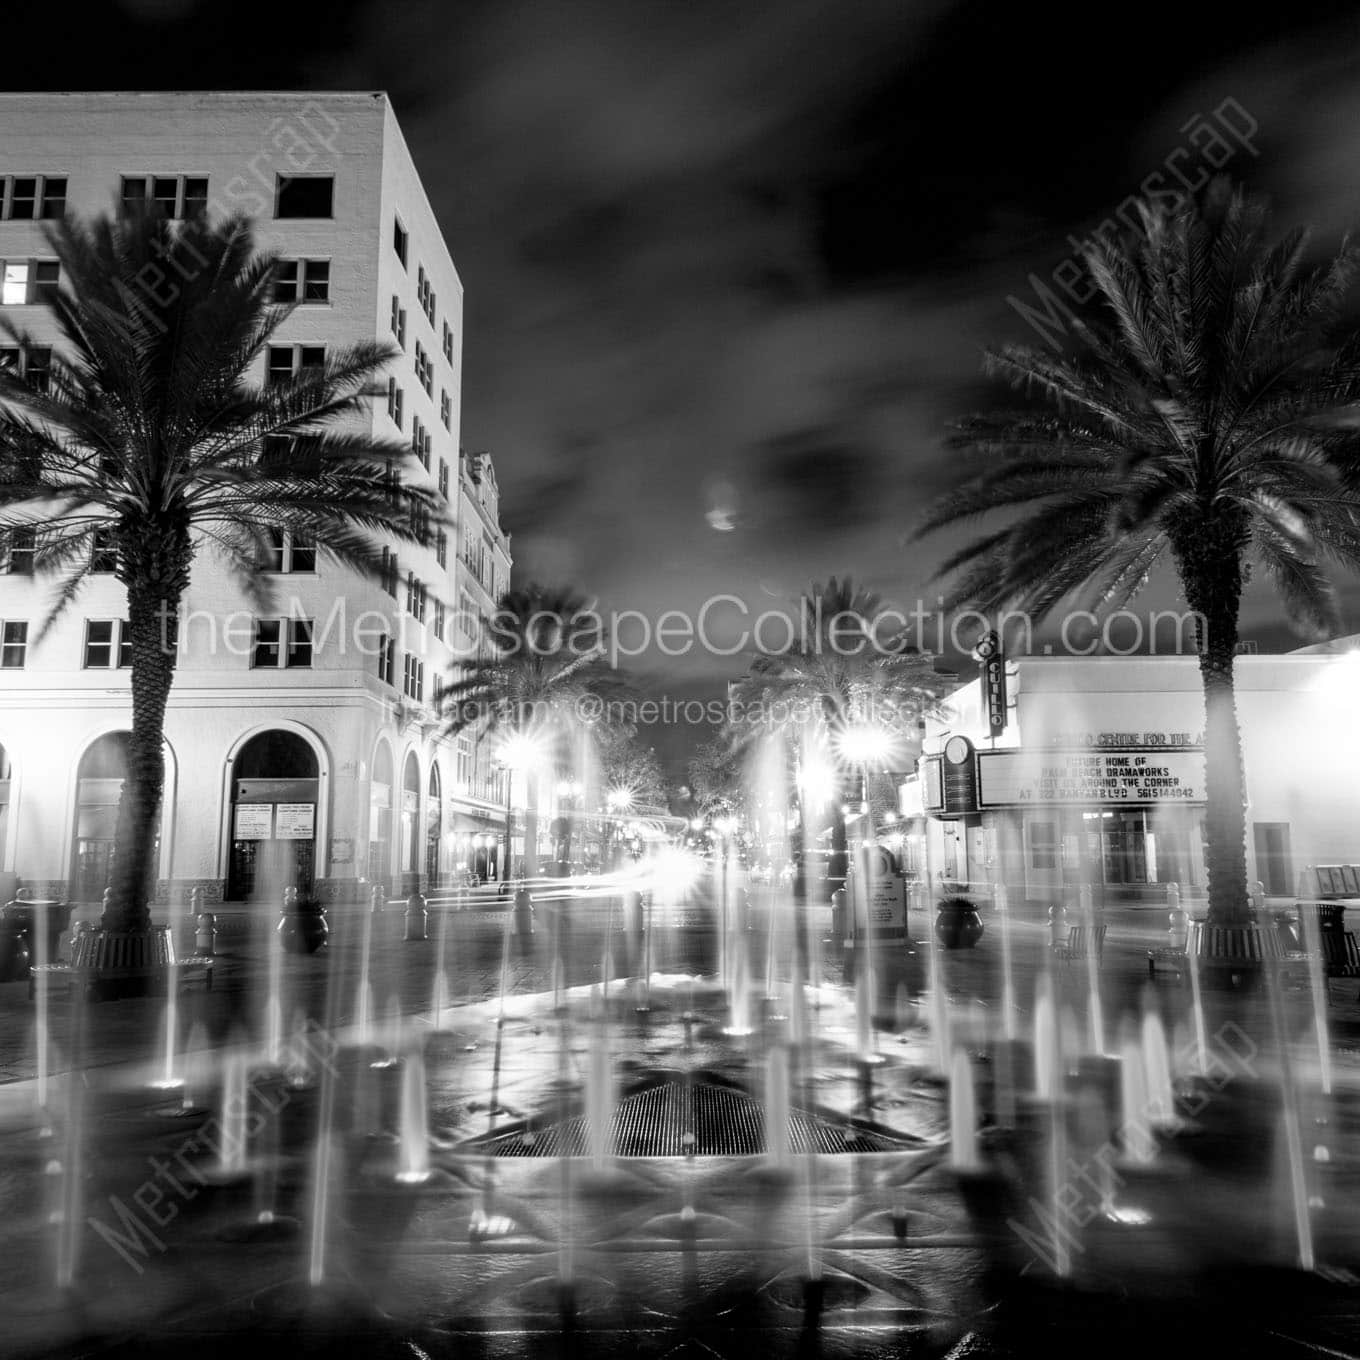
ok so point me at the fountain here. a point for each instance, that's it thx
(1047, 1072)
(413, 1156)
(1161, 1107)
(232, 1155)
(778, 1153)
(600, 1100)
(1093, 1001)
(1134, 1129)
(1317, 986)
(963, 1141)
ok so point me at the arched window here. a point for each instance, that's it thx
(380, 817)
(434, 826)
(410, 824)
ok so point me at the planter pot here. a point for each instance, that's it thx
(957, 923)
(303, 928)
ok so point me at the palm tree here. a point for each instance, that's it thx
(841, 674)
(1206, 418)
(544, 658)
(148, 440)
(715, 777)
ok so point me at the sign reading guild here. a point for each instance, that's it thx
(992, 669)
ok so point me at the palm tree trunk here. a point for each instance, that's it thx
(1212, 577)
(133, 878)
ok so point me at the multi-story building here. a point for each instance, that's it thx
(312, 727)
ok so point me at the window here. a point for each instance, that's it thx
(108, 644)
(304, 196)
(389, 572)
(443, 478)
(14, 288)
(1043, 845)
(386, 660)
(448, 342)
(27, 281)
(13, 646)
(399, 321)
(394, 402)
(26, 197)
(103, 552)
(46, 280)
(420, 441)
(288, 361)
(425, 294)
(413, 678)
(302, 281)
(439, 619)
(441, 548)
(53, 196)
(289, 552)
(424, 369)
(282, 642)
(416, 595)
(22, 545)
(445, 409)
(299, 643)
(195, 200)
(32, 362)
(174, 196)
(463, 761)
(399, 240)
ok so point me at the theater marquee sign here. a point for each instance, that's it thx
(1023, 778)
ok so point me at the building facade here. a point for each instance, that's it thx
(1098, 776)
(306, 737)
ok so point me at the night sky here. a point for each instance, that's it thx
(729, 266)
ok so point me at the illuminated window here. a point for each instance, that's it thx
(14, 287)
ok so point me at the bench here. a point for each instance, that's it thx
(115, 955)
(1340, 955)
(1081, 942)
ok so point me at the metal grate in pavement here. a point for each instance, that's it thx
(654, 1122)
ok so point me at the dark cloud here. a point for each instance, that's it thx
(730, 268)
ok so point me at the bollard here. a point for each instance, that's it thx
(524, 912)
(377, 900)
(417, 918)
(632, 914)
(194, 911)
(205, 936)
(1057, 924)
(838, 921)
(1178, 929)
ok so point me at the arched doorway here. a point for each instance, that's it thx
(434, 827)
(410, 825)
(274, 795)
(380, 818)
(99, 786)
